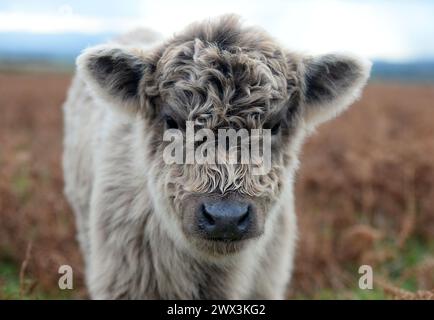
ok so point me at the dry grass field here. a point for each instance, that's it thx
(364, 195)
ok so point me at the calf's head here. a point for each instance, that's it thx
(219, 76)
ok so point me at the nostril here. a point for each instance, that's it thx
(208, 217)
(244, 218)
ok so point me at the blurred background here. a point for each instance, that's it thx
(365, 190)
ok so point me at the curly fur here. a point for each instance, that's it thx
(132, 208)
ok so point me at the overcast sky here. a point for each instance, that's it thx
(392, 30)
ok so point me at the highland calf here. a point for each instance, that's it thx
(153, 230)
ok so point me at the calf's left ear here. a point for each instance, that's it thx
(330, 83)
(116, 74)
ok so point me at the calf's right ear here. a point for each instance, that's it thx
(116, 74)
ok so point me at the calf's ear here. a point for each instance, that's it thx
(116, 74)
(330, 83)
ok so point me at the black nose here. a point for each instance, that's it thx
(226, 220)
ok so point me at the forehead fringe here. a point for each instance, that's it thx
(224, 73)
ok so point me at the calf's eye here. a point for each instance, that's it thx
(275, 129)
(170, 123)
